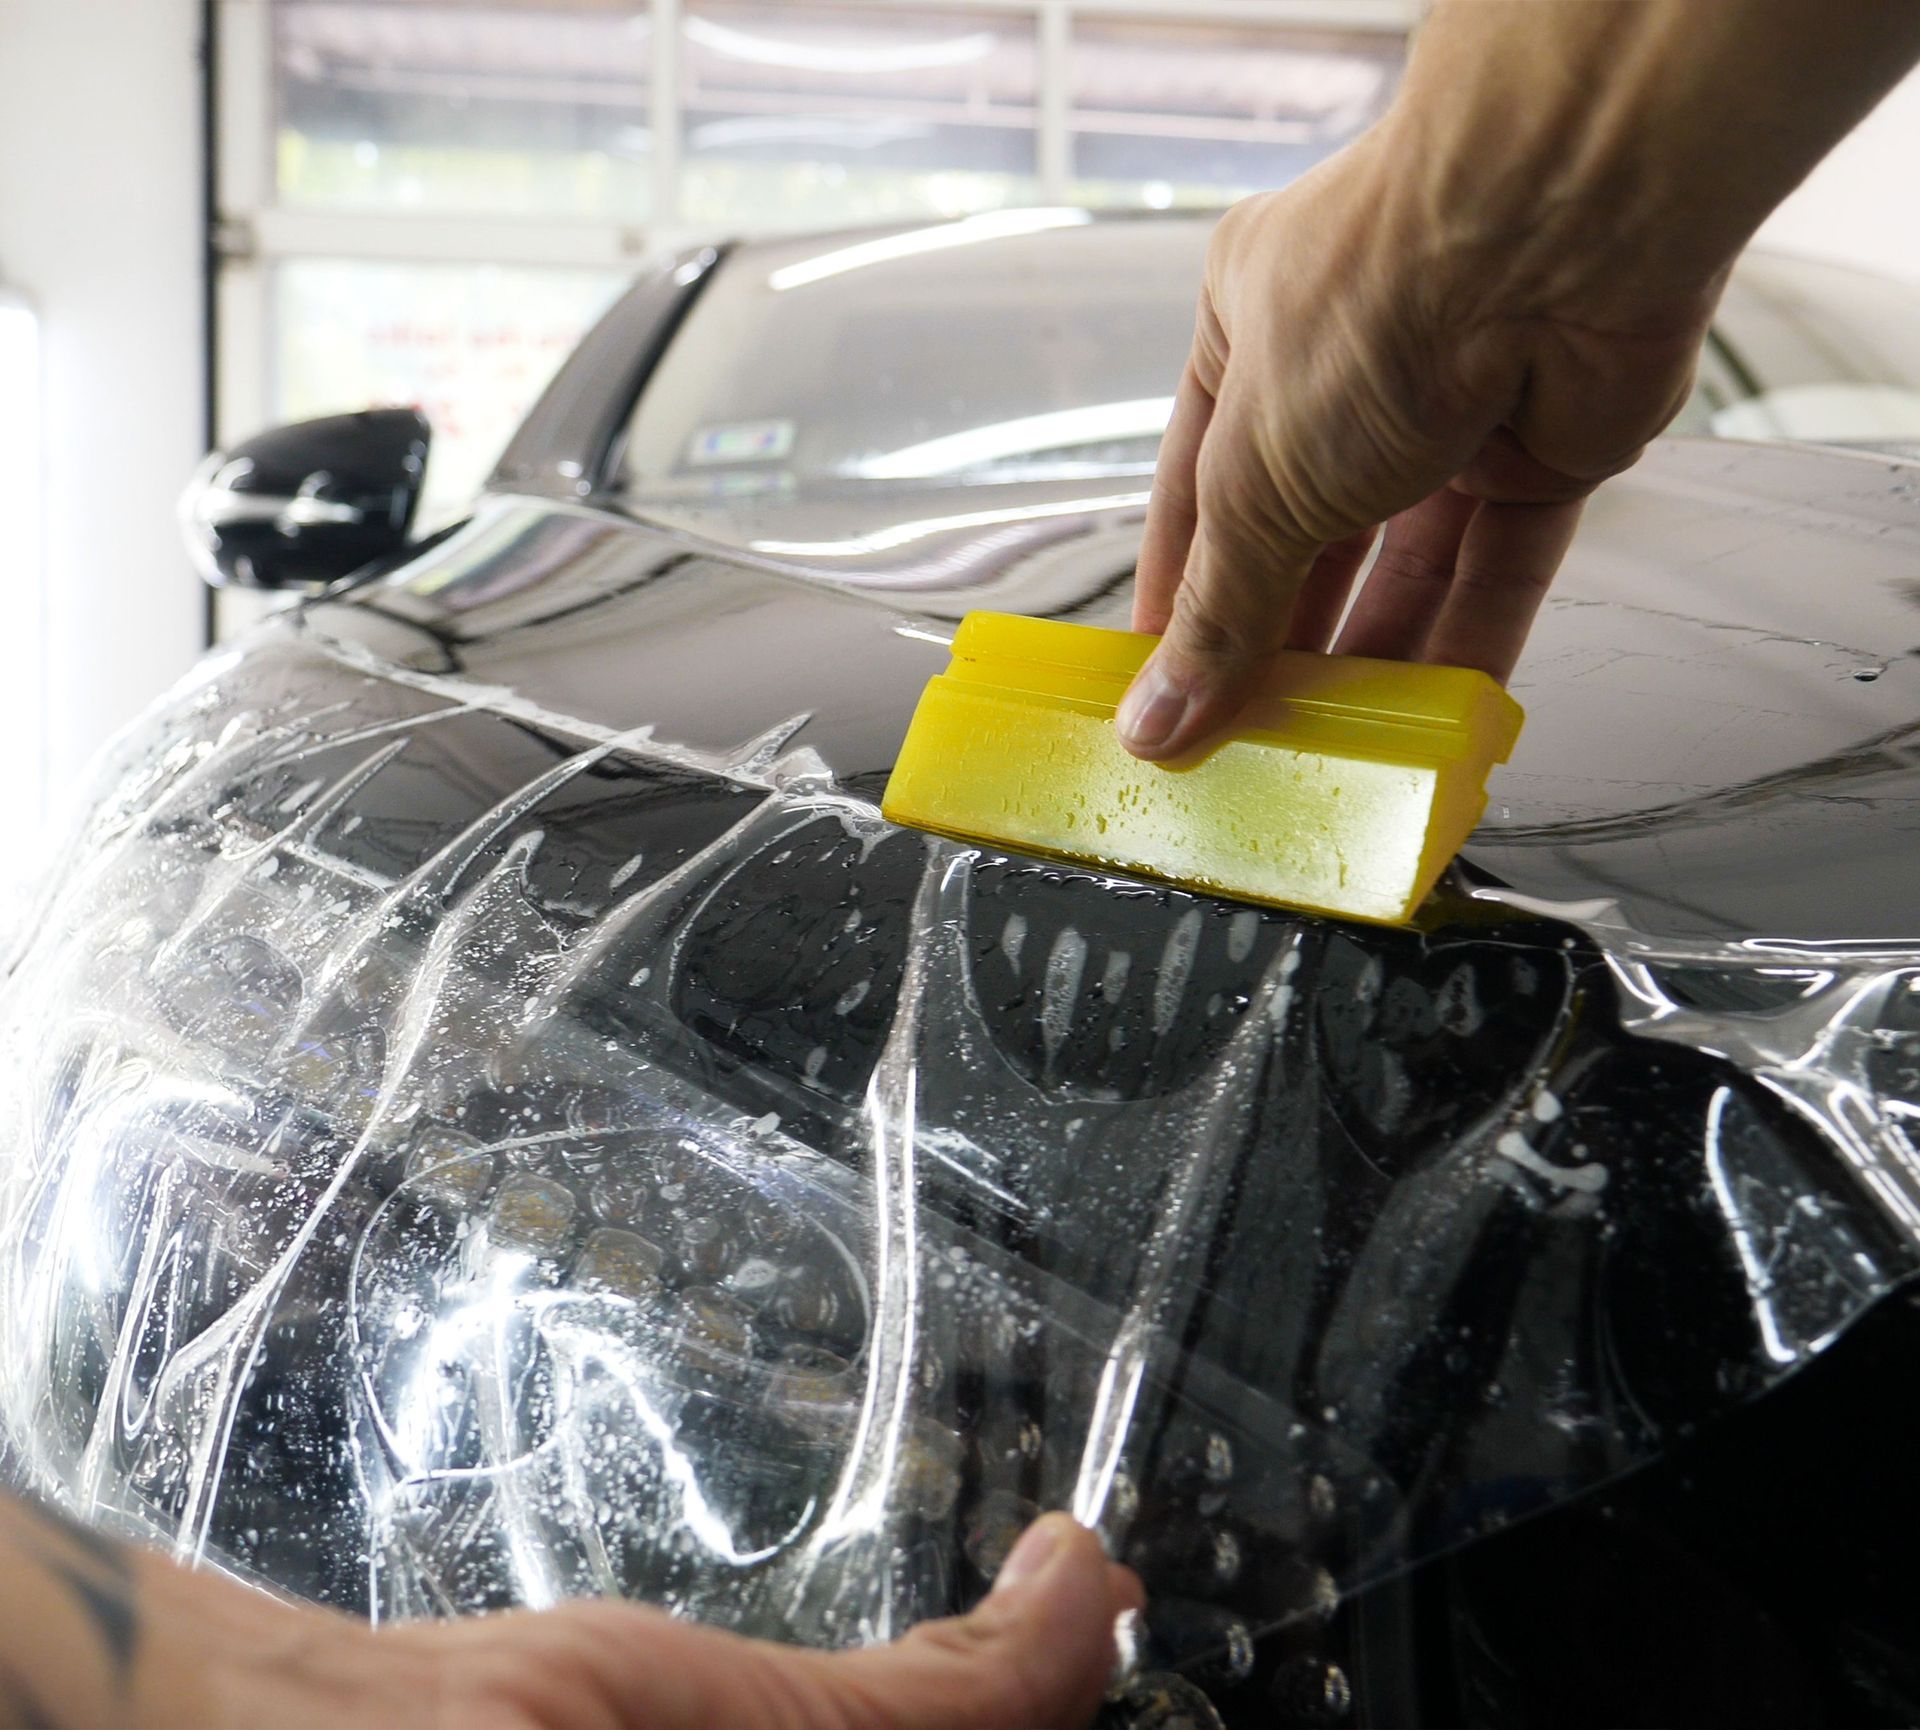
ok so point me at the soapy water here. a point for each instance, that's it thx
(654, 1174)
(1832, 1028)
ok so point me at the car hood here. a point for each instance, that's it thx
(1723, 690)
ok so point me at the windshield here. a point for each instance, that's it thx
(1032, 344)
(1044, 345)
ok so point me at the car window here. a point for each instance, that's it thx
(1044, 345)
(1810, 351)
(1026, 344)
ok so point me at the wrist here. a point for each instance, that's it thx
(1547, 158)
(1622, 152)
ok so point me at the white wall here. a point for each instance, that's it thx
(1862, 205)
(99, 226)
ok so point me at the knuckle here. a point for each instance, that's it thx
(1241, 216)
(1207, 626)
(962, 1637)
(1258, 486)
(1211, 347)
(1404, 568)
(1477, 580)
(1017, 1690)
(1231, 248)
(1239, 494)
(1171, 487)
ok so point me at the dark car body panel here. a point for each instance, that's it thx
(1723, 690)
(1716, 746)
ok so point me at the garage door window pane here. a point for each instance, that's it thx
(799, 115)
(494, 109)
(1167, 114)
(472, 347)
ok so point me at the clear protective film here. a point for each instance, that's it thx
(456, 1159)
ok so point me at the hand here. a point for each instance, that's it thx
(1463, 323)
(92, 1632)
(1346, 376)
(1036, 1654)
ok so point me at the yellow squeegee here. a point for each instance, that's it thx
(1346, 791)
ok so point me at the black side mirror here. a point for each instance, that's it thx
(305, 505)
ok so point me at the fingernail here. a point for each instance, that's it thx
(1029, 1556)
(1151, 710)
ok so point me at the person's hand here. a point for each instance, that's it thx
(1462, 324)
(1035, 1655)
(1347, 375)
(94, 1633)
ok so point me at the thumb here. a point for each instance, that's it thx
(1247, 564)
(1036, 1655)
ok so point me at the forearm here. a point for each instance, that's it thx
(70, 1622)
(1621, 152)
(93, 1632)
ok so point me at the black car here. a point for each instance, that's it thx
(496, 1115)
